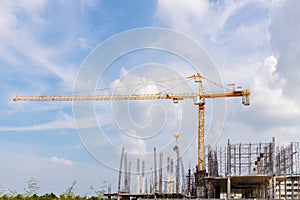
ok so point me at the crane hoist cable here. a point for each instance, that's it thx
(119, 87)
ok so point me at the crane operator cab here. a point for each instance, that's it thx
(198, 101)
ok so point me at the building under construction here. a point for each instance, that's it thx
(253, 170)
(261, 170)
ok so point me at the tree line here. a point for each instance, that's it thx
(30, 193)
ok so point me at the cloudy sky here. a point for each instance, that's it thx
(45, 47)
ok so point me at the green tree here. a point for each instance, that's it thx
(48, 196)
(19, 197)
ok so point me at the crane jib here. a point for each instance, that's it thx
(174, 97)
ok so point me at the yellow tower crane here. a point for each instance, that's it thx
(199, 100)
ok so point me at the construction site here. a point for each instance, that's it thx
(234, 171)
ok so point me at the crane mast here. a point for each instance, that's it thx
(201, 110)
(198, 98)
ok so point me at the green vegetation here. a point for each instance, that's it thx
(47, 196)
(30, 193)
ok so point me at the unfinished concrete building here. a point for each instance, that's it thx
(252, 170)
(259, 170)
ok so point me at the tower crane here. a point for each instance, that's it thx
(198, 98)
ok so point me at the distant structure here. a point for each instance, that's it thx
(155, 173)
(138, 176)
(160, 186)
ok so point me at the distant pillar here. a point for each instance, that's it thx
(177, 167)
(291, 159)
(273, 169)
(168, 183)
(125, 173)
(228, 158)
(109, 191)
(120, 172)
(172, 178)
(240, 159)
(155, 173)
(129, 177)
(143, 177)
(146, 185)
(160, 172)
(228, 169)
(138, 176)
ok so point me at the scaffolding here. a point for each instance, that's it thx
(241, 170)
(253, 170)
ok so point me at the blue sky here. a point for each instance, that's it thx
(43, 45)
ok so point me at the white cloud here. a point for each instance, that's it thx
(132, 83)
(9, 21)
(22, 43)
(64, 122)
(31, 7)
(60, 161)
(47, 126)
(135, 144)
(278, 2)
(179, 14)
(197, 18)
(284, 31)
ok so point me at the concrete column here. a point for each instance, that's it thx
(160, 173)
(138, 176)
(228, 169)
(273, 157)
(228, 158)
(293, 197)
(270, 192)
(279, 193)
(228, 186)
(155, 172)
(274, 188)
(143, 177)
(256, 192)
(285, 189)
(298, 193)
(263, 191)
